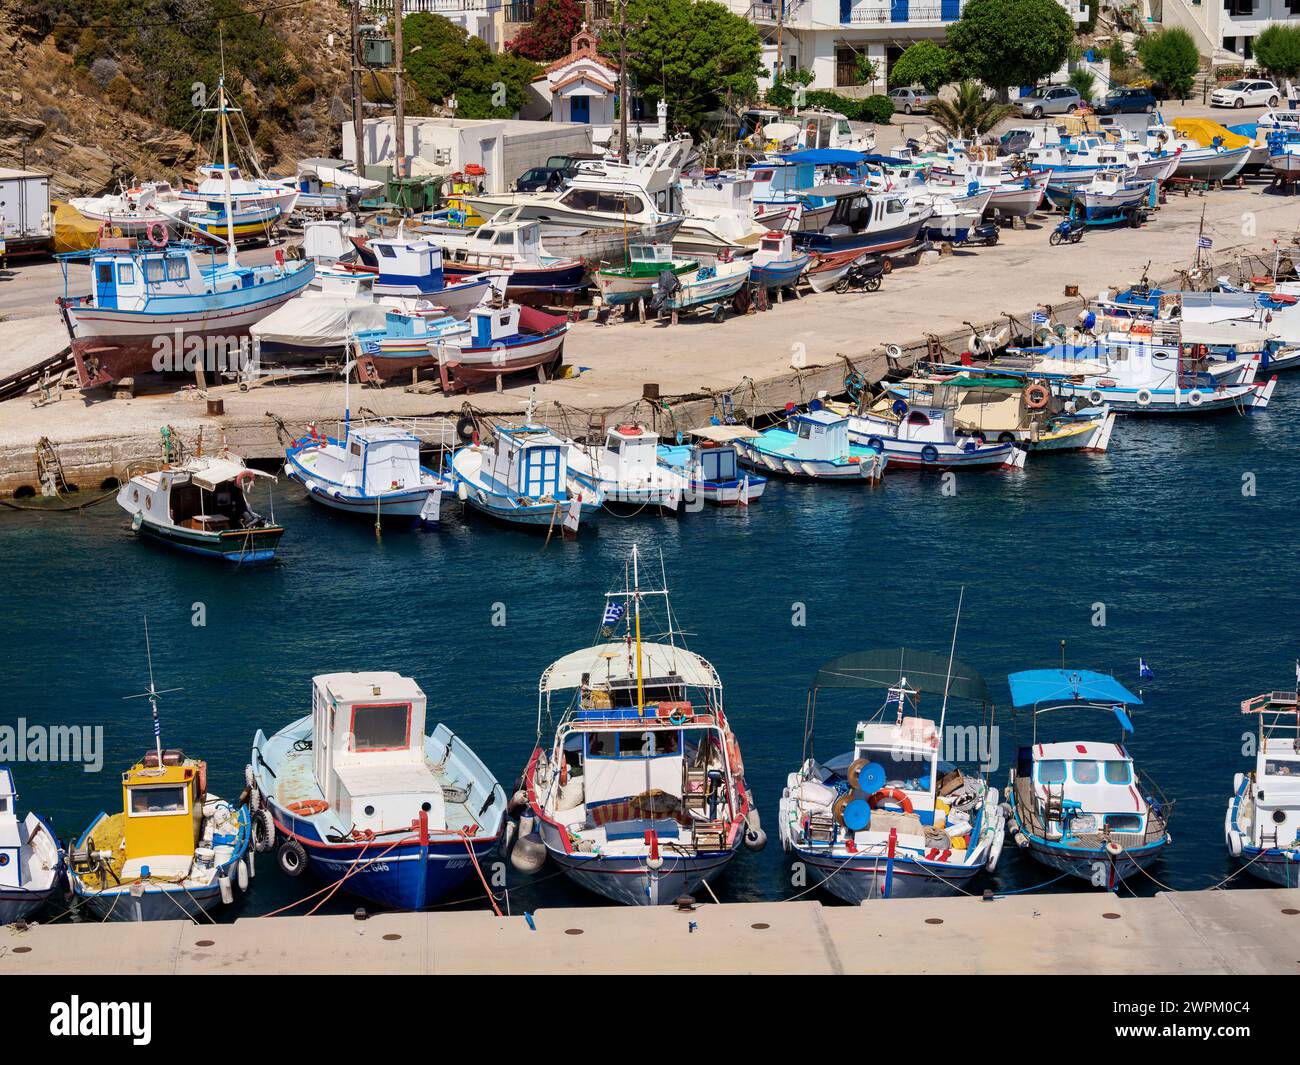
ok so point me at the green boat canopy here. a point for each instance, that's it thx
(969, 381)
(925, 672)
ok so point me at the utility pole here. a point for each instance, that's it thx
(622, 82)
(358, 127)
(399, 102)
(780, 37)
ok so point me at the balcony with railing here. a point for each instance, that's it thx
(774, 12)
(899, 12)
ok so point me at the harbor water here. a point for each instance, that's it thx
(1173, 547)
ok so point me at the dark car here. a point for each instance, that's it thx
(1128, 102)
(541, 179)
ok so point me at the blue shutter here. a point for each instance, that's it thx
(846, 11)
(950, 10)
(898, 11)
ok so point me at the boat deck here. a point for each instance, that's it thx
(1027, 804)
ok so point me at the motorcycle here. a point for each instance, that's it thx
(1069, 231)
(865, 274)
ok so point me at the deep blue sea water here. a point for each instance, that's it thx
(1196, 577)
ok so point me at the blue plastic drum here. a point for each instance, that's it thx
(857, 815)
(871, 779)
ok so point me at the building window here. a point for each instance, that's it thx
(846, 67)
(520, 11)
(1239, 7)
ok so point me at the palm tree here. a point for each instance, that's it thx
(968, 113)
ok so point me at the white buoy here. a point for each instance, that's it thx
(241, 875)
(227, 892)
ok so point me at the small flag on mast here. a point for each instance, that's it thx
(1144, 671)
(1039, 317)
(613, 612)
(1204, 242)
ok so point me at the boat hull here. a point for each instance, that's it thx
(628, 881)
(875, 242)
(464, 368)
(18, 904)
(154, 904)
(1094, 866)
(1212, 166)
(865, 880)
(527, 280)
(236, 546)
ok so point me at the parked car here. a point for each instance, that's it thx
(1128, 101)
(1050, 100)
(1246, 92)
(910, 101)
(541, 179)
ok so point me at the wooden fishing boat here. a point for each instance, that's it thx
(501, 340)
(201, 506)
(625, 467)
(813, 445)
(776, 264)
(621, 285)
(712, 465)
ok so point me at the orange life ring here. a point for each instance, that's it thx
(630, 430)
(157, 234)
(1037, 396)
(897, 794)
(308, 807)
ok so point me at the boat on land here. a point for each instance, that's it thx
(813, 445)
(1081, 806)
(129, 213)
(413, 270)
(866, 221)
(625, 467)
(358, 794)
(621, 285)
(1262, 824)
(640, 796)
(776, 264)
(1284, 152)
(1108, 196)
(250, 222)
(372, 471)
(893, 817)
(706, 285)
(173, 850)
(405, 342)
(711, 464)
(327, 186)
(502, 339)
(511, 248)
(201, 506)
(31, 857)
(523, 478)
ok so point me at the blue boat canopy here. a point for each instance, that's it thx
(1033, 686)
(840, 157)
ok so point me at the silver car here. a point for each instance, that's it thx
(910, 101)
(1050, 100)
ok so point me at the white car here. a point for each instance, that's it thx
(1246, 92)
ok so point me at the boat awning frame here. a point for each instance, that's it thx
(924, 672)
(616, 661)
(1033, 687)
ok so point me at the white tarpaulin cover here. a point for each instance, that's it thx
(613, 661)
(318, 321)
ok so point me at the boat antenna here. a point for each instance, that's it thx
(153, 695)
(1062, 654)
(943, 709)
(636, 606)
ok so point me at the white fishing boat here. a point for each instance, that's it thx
(625, 467)
(708, 284)
(327, 186)
(813, 445)
(711, 464)
(640, 793)
(31, 859)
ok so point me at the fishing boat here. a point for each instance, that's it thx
(1108, 196)
(128, 213)
(893, 817)
(327, 186)
(356, 792)
(708, 284)
(1284, 153)
(1081, 806)
(1262, 824)
(621, 285)
(711, 465)
(201, 506)
(512, 248)
(776, 264)
(413, 269)
(523, 478)
(920, 432)
(1212, 162)
(641, 794)
(253, 221)
(173, 850)
(825, 271)
(866, 221)
(502, 339)
(625, 467)
(404, 343)
(372, 471)
(812, 445)
(31, 858)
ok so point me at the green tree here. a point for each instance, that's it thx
(969, 113)
(923, 63)
(1171, 58)
(444, 62)
(1277, 50)
(693, 54)
(1011, 42)
(550, 34)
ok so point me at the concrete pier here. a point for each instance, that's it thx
(1247, 931)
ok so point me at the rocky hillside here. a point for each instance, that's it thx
(99, 92)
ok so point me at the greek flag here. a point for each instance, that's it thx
(1204, 242)
(1144, 671)
(613, 611)
(1039, 317)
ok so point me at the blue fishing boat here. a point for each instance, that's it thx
(641, 795)
(1262, 825)
(357, 793)
(892, 817)
(1081, 806)
(776, 264)
(813, 445)
(523, 478)
(414, 269)
(712, 466)
(31, 858)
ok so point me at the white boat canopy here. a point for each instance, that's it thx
(1225, 331)
(617, 662)
(723, 434)
(214, 472)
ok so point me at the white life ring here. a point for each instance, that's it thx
(1095, 398)
(1144, 397)
(995, 849)
(1196, 397)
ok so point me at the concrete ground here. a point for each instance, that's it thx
(775, 355)
(1250, 931)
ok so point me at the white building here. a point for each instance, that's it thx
(479, 18)
(826, 37)
(1225, 30)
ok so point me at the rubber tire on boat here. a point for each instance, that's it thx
(876, 444)
(464, 428)
(929, 453)
(1095, 398)
(292, 858)
(256, 800)
(1006, 438)
(263, 831)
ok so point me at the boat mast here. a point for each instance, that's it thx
(225, 171)
(636, 606)
(153, 695)
(943, 710)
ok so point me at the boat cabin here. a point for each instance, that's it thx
(819, 436)
(517, 241)
(1083, 789)
(162, 816)
(1274, 792)
(407, 267)
(631, 454)
(128, 279)
(489, 326)
(325, 241)
(644, 255)
(531, 461)
(204, 494)
(774, 247)
(13, 834)
(381, 459)
(368, 746)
